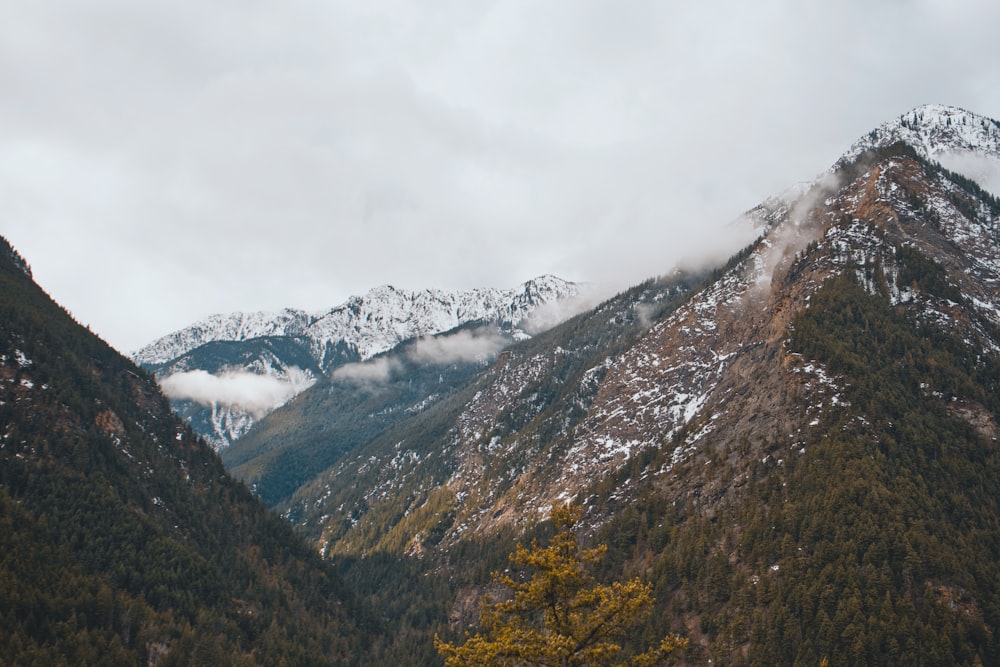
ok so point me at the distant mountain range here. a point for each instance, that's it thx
(227, 371)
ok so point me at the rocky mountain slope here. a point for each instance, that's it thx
(124, 539)
(799, 448)
(227, 371)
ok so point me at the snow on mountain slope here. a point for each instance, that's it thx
(933, 130)
(375, 322)
(233, 327)
(687, 379)
(387, 316)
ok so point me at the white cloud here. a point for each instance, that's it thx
(258, 394)
(983, 170)
(373, 371)
(791, 237)
(188, 158)
(548, 315)
(463, 346)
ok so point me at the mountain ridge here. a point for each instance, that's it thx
(395, 313)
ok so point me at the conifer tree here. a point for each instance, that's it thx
(560, 617)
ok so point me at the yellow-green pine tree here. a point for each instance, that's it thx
(560, 617)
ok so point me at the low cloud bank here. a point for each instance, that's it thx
(461, 347)
(983, 169)
(257, 394)
(376, 370)
(792, 236)
(548, 315)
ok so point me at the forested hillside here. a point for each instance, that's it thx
(124, 539)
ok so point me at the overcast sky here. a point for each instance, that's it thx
(162, 161)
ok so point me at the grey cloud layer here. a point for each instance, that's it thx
(461, 347)
(257, 394)
(189, 158)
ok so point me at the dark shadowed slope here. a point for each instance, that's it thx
(124, 539)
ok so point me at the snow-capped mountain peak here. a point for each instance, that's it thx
(934, 130)
(236, 326)
(961, 141)
(373, 323)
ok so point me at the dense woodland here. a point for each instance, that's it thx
(124, 539)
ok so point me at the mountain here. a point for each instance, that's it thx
(226, 372)
(124, 539)
(798, 449)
